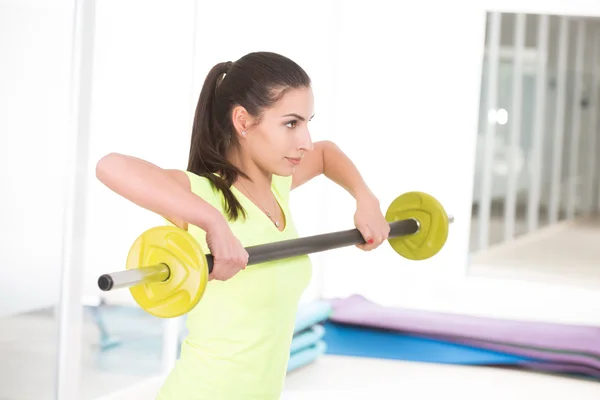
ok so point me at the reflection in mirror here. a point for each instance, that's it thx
(535, 183)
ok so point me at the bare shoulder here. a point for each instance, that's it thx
(180, 177)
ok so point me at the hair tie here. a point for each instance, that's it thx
(225, 67)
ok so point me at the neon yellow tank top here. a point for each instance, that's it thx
(241, 330)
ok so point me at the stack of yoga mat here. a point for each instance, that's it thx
(307, 343)
(359, 327)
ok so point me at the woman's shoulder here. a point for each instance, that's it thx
(202, 185)
(197, 184)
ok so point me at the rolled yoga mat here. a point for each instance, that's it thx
(550, 347)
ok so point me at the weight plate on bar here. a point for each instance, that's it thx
(188, 278)
(433, 225)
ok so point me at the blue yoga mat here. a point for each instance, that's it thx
(306, 356)
(367, 342)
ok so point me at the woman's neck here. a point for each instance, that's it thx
(259, 182)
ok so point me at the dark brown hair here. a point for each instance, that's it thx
(255, 82)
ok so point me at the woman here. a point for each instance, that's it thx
(250, 147)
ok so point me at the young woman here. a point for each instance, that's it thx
(250, 147)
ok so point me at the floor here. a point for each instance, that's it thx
(333, 377)
(353, 378)
(568, 252)
(565, 253)
(497, 222)
(28, 354)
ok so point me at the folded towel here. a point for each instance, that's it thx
(312, 313)
(307, 338)
(307, 344)
(306, 356)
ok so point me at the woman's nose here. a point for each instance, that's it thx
(306, 143)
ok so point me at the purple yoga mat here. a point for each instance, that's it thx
(558, 348)
(546, 359)
(561, 368)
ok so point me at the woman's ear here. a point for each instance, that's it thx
(241, 120)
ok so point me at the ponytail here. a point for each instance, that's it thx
(211, 137)
(254, 82)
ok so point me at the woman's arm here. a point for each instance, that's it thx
(165, 192)
(168, 193)
(329, 160)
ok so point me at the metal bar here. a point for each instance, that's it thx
(535, 183)
(510, 203)
(70, 310)
(592, 133)
(317, 243)
(130, 277)
(493, 46)
(559, 122)
(261, 253)
(573, 175)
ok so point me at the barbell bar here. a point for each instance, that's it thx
(167, 271)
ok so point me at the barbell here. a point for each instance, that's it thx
(167, 271)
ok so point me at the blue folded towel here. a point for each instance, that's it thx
(307, 344)
(306, 355)
(307, 338)
(312, 313)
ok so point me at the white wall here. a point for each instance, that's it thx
(378, 95)
(407, 114)
(141, 106)
(148, 75)
(578, 8)
(397, 96)
(35, 39)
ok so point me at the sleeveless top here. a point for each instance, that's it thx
(240, 332)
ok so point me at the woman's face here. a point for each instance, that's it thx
(280, 139)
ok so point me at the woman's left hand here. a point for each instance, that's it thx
(371, 222)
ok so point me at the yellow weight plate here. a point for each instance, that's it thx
(433, 225)
(188, 271)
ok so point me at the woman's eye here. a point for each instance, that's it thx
(291, 124)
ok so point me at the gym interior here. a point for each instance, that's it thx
(491, 107)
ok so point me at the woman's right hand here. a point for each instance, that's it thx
(168, 193)
(229, 255)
